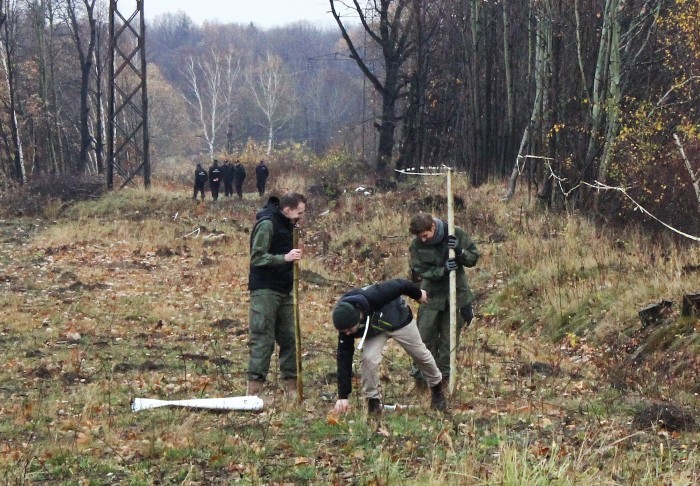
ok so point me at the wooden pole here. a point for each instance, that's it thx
(453, 286)
(297, 327)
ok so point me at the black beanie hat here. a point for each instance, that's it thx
(345, 315)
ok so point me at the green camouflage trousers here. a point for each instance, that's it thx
(271, 321)
(434, 328)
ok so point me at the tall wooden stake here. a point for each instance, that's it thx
(453, 286)
(297, 326)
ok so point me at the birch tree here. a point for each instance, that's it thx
(7, 43)
(273, 91)
(532, 134)
(210, 92)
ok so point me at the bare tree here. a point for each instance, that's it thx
(273, 92)
(85, 47)
(42, 17)
(392, 32)
(210, 92)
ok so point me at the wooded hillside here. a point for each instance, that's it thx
(563, 94)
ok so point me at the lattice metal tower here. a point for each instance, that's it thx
(127, 135)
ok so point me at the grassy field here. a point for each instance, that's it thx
(143, 294)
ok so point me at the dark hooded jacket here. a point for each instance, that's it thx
(387, 310)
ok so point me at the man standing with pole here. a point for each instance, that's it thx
(431, 253)
(271, 282)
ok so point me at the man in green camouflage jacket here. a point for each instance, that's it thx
(431, 263)
(270, 281)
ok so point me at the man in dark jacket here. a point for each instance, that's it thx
(429, 252)
(270, 282)
(261, 175)
(215, 175)
(238, 178)
(200, 178)
(227, 170)
(375, 314)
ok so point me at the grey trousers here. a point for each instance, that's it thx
(409, 339)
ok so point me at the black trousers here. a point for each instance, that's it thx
(214, 186)
(198, 187)
(239, 189)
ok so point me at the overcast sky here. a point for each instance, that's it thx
(263, 13)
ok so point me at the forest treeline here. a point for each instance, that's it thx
(567, 95)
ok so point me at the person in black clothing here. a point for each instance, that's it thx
(200, 178)
(238, 178)
(261, 175)
(374, 314)
(227, 170)
(215, 176)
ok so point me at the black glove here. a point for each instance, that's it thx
(453, 243)
(467, 314)
(451, 265)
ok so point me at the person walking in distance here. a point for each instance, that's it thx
(374, 314)
(431, 263)
(239, 178)
(261, 175)
(215, 175)
(200, 178)
(270, 282)
(227, 174)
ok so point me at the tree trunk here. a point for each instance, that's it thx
(536, 114)
(392, 34)
(100, 116)
(45, 83)
(85, 57)
(613, 103)
(17, 153)
(599, 81)
(510, 96)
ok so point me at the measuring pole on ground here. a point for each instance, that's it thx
(446, 171)
(297, 325)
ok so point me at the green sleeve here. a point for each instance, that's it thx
(262, 238)
(470, 255)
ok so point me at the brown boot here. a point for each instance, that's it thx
(255, 387)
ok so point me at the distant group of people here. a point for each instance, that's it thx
(232, 175)
(372, 314)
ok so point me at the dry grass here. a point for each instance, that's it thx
(123, 297)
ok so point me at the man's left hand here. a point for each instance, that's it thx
(453, 244)
(293, 255)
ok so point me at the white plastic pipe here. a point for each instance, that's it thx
(228, 403)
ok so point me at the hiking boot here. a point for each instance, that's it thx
(374, 406)
(255, 387)
(437, 399)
